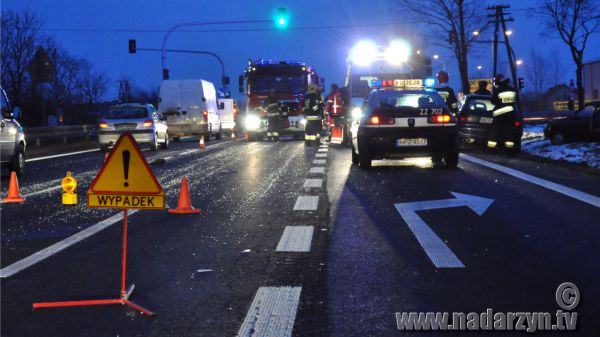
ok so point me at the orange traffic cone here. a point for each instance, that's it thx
(185, 205)
(201, 144)
(246, 136)
(13, 189)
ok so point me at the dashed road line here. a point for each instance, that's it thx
(307, 203)
(313, 183)
(317, 170)
(321, 155)
(323, 150)
(272, 312)
(319, 161)
(570, 192)
(60, 246)
(296, 239)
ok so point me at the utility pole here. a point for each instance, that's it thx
(499, 20)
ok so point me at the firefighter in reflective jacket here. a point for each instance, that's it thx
(273, 116)
(334, 111)
(443, 88)
(504, 99)
(313, 114)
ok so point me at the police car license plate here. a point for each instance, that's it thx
(411, 142)
(486, 120)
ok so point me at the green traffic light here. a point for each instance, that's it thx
(281, 18)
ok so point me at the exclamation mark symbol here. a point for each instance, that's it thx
(126, 167)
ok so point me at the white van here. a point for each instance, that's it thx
(190, 107)
(228, 109)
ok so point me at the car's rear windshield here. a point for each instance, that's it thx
(395, 99)
(126, 112)
(477, 106)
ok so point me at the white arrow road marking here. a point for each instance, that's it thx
(435, 248)
(570, 192)
(272, 312)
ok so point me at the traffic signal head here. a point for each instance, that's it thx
(281, 19)
(521, 83)
(165, 74)
(132, 46)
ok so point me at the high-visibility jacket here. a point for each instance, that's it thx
(313, 106)
(335, 104)
(448, 96)
(504, 99)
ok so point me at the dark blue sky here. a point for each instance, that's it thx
(325, 49)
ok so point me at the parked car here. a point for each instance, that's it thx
(12, 138)
(142, 121)
(228, 110)
(582, 125)
(190, 107)
(475, 117)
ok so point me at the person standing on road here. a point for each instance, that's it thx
(443, 88)
(334, 109)
(273, 116)
(504, 99)
(482, 89)
(313, 114)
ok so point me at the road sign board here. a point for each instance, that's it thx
(125, 180)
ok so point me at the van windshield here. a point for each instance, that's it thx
(126, 112)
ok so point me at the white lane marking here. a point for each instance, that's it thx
(189, 152)
(272, 312)
(167, 158)
(296, 239)
(570, 192)
(437, 251)
(60, 246)
(60, 155)
(323, 150)
(321, 155)
(319, 161)
(46, 190)
(309, 183)
(306, 203)
(317, 169)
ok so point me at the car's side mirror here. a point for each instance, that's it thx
(221, 106)
(203, 99)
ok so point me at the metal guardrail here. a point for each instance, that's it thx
(62, 132)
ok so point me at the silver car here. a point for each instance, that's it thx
(12, 138)
(142, 121)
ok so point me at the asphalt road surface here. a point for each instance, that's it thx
(297, 241)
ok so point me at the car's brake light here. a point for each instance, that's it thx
(103, 125)
(517, 123)
(148, 123)
(463, 118)
(205, 115)
(441, 119)
(377, 120)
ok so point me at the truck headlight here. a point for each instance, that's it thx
(303, 122)
(252, 122)
(356, 113)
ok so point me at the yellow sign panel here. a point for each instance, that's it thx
(125, 180)
(126, 201)
(411, 83)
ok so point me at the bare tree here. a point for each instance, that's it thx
(556, 68)
(92, 84)
(574, 21)
(20, 38)
(536, 71)
(451, 22)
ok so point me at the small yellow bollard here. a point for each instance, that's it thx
(69, 184)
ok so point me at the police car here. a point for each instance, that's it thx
(401, 119)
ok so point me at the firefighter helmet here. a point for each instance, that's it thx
(442, 77)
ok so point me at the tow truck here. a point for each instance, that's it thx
(265, 82)
(367, 63)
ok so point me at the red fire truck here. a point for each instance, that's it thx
(266, 83)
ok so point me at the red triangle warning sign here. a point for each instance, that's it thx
(126, 180)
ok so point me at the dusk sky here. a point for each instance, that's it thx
(99, 30)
